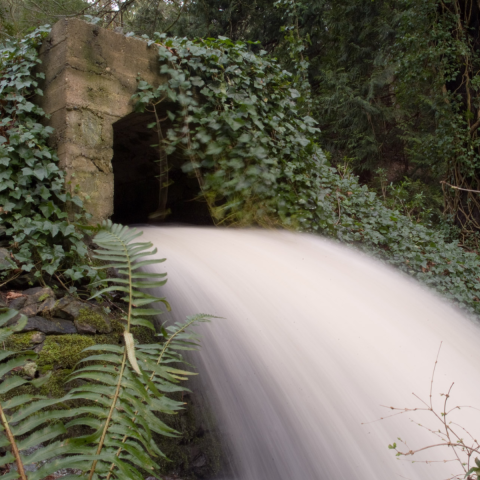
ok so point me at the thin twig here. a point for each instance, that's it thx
(459, 188)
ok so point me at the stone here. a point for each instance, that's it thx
(38, 294)
(3, 301)
(88, 318)
(29, 310)
(200, 461)
(85, 328)
(17, 303)
(46, 306)
(61, 305)
(38, 337)
(38, 348)
(30, 368)
(34, 301)
(69, 308)
(54, 326)
(5, 259)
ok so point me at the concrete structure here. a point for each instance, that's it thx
(90, 77)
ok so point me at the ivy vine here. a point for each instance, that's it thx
(235, 119)
(34, 221)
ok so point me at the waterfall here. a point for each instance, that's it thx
(315, 338)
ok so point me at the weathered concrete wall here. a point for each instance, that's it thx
(90, 76)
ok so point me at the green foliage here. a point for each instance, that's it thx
(437, 63)
(237, 124)
(20, 17)
(123, 387)
(17, 414)
(34, 217)
(235, 118)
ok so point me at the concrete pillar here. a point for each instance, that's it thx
(90, 77)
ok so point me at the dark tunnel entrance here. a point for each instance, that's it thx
(136, 178)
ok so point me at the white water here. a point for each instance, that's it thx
(315, 338)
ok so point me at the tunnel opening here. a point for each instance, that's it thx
(136, 169)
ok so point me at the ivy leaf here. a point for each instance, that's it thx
(40, 172)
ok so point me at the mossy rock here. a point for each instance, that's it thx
(144, 335)
(91, 319)
(19, 341)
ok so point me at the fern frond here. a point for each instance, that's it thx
(21, 414)
(124, 390)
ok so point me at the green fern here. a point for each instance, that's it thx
(21, 415)
(125, 385)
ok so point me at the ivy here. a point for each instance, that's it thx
(36, 212)
(235, 119)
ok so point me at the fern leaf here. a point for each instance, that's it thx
(130, 347)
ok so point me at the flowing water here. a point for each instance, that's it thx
(315, 339)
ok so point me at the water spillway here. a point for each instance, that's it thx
(315, 339)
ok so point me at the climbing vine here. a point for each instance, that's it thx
(234, 118)
(37, 215)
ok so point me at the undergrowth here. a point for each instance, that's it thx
(123, 387)
(236, 121)
(37, 213)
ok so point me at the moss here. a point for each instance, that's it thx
(117, 326)
(43, 297)
(63, 351)
(182, 451)
(19, 341)
(144, 335)
(88, 316)
(55, 386)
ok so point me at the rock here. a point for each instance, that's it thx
(54, 326)
(88, 318)
(6, 261)
(38, 294)
(61, 308)
(69, 308)
(85, 328)
(35, 300)
(17, 303)
(30, 369)
(38, 348)
(47, 306)
(38, 337)
(29, 310)
(200, 461)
